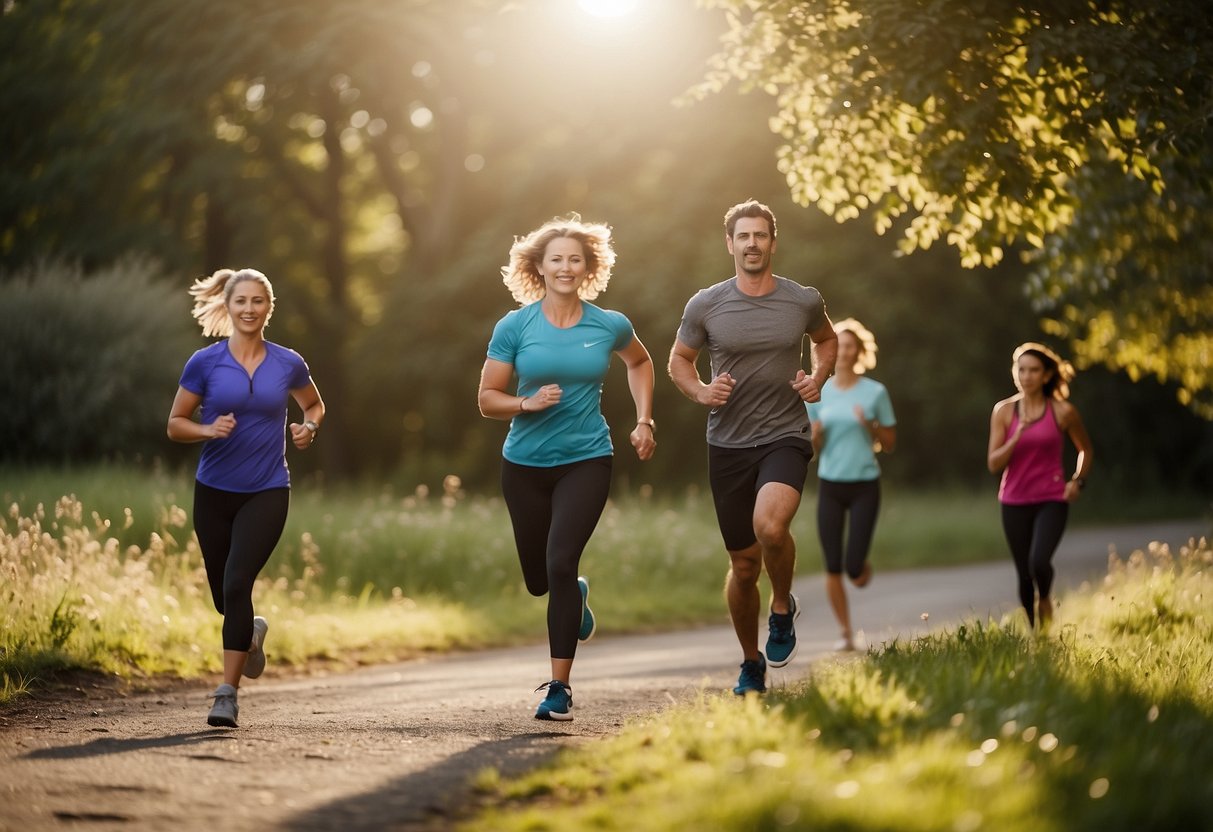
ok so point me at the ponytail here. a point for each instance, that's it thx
(211, 296)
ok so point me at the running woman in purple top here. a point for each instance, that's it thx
(1027, 438)
(242, 387)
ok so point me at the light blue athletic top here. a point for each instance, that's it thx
(576, 358)
(846, 454)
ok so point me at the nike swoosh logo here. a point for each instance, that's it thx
(589, 344)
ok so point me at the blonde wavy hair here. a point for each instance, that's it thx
(213, 294)
(1058, 387)
(522, 275)
(866, 359)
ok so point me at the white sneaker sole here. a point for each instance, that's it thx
(555, 717)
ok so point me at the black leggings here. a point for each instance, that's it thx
(554, 512)
(834, 500)
(237, 533)
(1033, 532)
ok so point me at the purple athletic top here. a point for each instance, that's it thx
(1034, 473)
(253, 457)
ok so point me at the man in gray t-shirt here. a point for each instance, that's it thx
(753, 326)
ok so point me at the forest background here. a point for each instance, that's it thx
(376, 159)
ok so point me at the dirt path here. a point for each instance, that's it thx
(393, 747)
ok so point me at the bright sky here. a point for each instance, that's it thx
(608, 8)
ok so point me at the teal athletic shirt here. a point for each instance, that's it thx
(575, 358)
(846, 455)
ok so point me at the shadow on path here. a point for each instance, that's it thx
(109, 745)
(429, 798)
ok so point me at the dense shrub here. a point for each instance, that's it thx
(89, 362)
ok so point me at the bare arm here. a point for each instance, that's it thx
(683, 371)
(183, 428)
(309, 401)
(885, 436)
(1077, 432)
(685, 376)
(818, 437)
(825, 354)
(641, 378)
(495, 402)
(1000, 448)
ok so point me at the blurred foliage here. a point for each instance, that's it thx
(76, 373)
(376, 158)
(1077, 132)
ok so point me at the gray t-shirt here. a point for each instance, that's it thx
(759, 341)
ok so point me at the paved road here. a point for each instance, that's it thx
(393, 747)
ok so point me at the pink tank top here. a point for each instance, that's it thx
(1034, 473)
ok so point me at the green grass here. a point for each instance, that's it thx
(108, 577)
(1107, 723)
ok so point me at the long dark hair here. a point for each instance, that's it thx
(1058, 385)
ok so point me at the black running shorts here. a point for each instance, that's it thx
(737, 474)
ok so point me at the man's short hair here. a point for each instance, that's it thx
(749, 208)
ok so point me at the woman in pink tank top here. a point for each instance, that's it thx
(1027, 439)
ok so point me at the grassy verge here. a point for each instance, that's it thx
(1104, 724)
(109, 577)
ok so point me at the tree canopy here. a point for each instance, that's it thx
(1074, 132)
(375, 158)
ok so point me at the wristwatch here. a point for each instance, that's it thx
(652, 425)
(312, 426)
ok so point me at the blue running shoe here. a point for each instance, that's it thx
(753, 677)
(588, 623)
(781, 638)
(557, 704)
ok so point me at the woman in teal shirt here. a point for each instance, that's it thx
(852, 422)
(556, 467)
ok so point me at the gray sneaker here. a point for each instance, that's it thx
(225, 710)
(254, 665)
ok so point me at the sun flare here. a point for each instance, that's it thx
(608, 8)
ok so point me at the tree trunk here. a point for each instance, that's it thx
(328, 363)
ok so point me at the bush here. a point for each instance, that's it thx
(89, 363)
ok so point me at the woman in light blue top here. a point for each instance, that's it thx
(853, 422)
(556, 471)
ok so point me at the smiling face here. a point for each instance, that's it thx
(250, 306)
(751, 245)
(564, 267)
